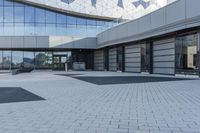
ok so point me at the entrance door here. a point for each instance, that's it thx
(59, 62)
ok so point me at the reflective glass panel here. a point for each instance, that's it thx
(40, 15)
(8, 14)
(29, 14)
(1, 60)
(6, 59)
(28, 59)
(19, 14)
(61, 19)
(50, 17)
(17, 59)
(43, 60)
(186, 54)
(1, 14)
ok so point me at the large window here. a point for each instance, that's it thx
(20, 19)
(186, 54)
(28, 59)
(17, 59)
(6, 60)
(43, 60)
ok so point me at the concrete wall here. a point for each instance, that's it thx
(176, 16)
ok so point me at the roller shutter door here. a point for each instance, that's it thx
(133, 58)
(99, 60)
(164, 57)
(113, 59)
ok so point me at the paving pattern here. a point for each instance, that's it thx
(75, 106)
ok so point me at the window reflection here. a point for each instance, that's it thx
(28, 60)
(17, 59)
(19, 19)
(6, 59)
(186, 54)
(43, 60)
(1, 60)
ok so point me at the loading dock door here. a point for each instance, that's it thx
(164, 57)
(133, 58)
(99, 60)
(113, 59)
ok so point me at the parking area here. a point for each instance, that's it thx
(99, 102)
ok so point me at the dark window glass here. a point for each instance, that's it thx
(145, 57)
(8, 14)
(50, 17)
(40, 15)
(29, 14)
(19, 14)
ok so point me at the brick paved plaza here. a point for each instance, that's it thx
(76, 106)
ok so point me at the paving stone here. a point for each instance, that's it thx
(72, 106)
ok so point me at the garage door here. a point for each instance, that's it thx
(99, 60)
(133, 58)
(164, 57)
(113, 59)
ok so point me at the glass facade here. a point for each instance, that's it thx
(187, 54)
(29, 59)
(19, 19)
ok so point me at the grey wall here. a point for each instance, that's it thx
(72, 42)
(133, 58)
(112, 59)
(164, 56)
(24, 42)
(176, 16)
(99, 60)
(12, 42)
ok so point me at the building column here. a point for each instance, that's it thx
(198, 53)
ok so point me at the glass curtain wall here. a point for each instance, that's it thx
(187, 54)
(30, 59)
(21, 19)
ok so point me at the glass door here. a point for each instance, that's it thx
(59, 62)
(186, 55)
